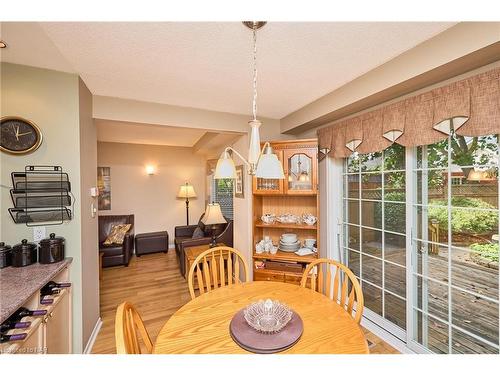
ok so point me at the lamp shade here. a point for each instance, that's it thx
(269, 165)
(213, 215)
(225, 167)
(186, 191)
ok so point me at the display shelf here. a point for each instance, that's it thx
(286, 226)
(285, 256)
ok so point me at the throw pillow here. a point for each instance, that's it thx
(198, 233)
(117, 234)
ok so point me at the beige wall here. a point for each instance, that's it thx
(89, 248)
(152, 199)
(51, 100)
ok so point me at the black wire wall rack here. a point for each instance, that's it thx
(41, 194)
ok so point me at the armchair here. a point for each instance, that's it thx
(183, 238)
(114, 254)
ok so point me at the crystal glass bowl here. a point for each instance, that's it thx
(267, 316)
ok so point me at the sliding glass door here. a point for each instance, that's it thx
(420, 231)
(454, 246)
(375, 234)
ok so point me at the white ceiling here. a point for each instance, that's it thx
(146, 134)
(209, 65)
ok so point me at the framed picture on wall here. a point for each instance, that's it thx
(239, 186)
(104, 185)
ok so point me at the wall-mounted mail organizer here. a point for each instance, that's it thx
(41, 195)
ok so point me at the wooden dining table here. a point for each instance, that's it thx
(202, 325)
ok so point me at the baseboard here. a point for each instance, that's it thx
(93, 336)
(387, 337)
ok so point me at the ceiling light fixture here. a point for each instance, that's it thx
(261, 162)
(3, 44)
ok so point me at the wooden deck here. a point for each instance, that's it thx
(469, 312)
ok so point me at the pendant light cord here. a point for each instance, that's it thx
(254, 108)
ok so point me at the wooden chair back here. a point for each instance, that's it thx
(216, 267)
(128, 324)
(337, 283)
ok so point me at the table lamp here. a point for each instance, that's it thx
(186, 191)
(213, 216)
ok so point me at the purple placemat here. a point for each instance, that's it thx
(265, 343)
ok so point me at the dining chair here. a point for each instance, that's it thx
(216, 267)
(127, 323)
(338, 278)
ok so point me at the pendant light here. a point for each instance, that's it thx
(263, 162)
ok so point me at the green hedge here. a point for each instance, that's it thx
(465, 221)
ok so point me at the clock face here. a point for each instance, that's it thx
(19, 136)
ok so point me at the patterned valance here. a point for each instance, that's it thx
(471, 107)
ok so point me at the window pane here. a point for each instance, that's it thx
(432, 333)
(372, 269)
(372, 242)
(475, 315)
(371, 161)
(468, 151)
(371, 214)
(432, 224)
(353, 186)
(371, 186)
(432, 260)
(470, 226)
(394, 186)
(395, 248)
(395, 217)
(353, 163)
(465, 344)
(474, 271)
(431, 187)
(477, 194)
(352, 214)
(432, 297)
(433, 156)
(373, 298)
(394, 157)
(395, 310)
(352, 236)
(395, 279)
(353, 262)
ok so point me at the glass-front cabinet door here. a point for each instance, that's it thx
(268, 185)
(300, 171)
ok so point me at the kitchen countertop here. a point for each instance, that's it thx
(18, 284)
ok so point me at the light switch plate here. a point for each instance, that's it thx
(39, 233)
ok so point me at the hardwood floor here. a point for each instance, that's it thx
(157, 289)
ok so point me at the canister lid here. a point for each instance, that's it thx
(4, 248)
(24, 246)
(52, 240)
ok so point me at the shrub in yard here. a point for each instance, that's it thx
(395, 214)
(465, 221)
(488, 251)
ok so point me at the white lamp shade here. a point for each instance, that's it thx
(186, 191)
(269, 166)
(213, 215)
(225, 167)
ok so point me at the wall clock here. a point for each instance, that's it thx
(19, 136)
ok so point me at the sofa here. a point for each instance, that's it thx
(184, 238)
(114, 254)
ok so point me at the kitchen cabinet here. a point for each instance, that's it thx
(50, 333)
